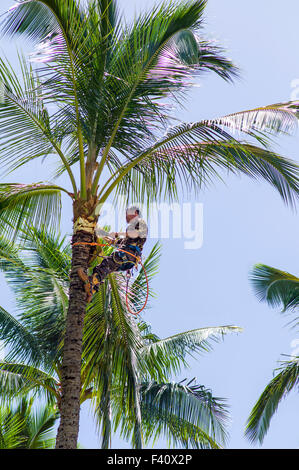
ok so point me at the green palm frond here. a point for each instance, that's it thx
(49, 250)
(22, 343)
(111, 342)
(23, 205)
(178, 433)
(27, 130)
(24, 428)
(38, 276)
(191, 155)
(21, 379)
(260, 417)
(172, 351)
(32, 18)
(41, 428)
(22, 132)
(187, 412)
(11, 426)
(133, 67)
(152, 60)
(276, 287)
(11, 261)
(276, 118)
(50, 21)
(111, 87)
(125, 358)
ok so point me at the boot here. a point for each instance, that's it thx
(96, 282)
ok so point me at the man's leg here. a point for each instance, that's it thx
(107, 266)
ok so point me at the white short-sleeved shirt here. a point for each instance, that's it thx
(137, 225)
(137, 231)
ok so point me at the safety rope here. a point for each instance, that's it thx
(127, 284)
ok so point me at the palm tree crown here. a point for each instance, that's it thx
(111, 86)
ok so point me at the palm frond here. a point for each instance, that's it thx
(25, 123)
(260, 417)
(111, 342)
(43, 19)
(172, 351)
(276, 287)
(49, 250)
(41, 428)
(154, 58)
(23, 205)
(276, 118)
(38, 276)
(23, 428)
(21, 379)
(188, 414)
(191, 155)
(22, 343)
(126, 359)
(11, 426)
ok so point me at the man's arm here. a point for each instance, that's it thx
(100, 232)
(103, 234)
(117, 234)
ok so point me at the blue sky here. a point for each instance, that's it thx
(245, 222)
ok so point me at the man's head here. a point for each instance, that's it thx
(132, 212)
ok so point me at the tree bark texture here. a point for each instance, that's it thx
(68, 430)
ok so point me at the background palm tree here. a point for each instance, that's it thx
(22, 427)
(276, 287)
(110, 85)
(127, 371)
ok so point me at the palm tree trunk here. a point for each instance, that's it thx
(68, 430)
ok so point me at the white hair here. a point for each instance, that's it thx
(133, 209)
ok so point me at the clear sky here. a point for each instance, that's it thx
(244, 222)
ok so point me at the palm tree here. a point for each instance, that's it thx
(126, 369)
(275, 287)
(22, 427)
(100, 97)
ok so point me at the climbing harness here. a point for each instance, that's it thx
(125, 263)
(128, 275)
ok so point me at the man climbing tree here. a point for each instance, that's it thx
(130, 244)
(99, 99)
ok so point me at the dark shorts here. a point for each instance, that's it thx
(118, 261)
